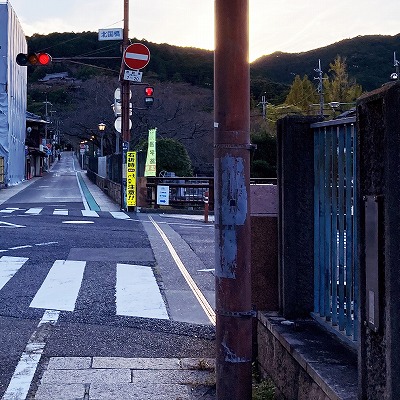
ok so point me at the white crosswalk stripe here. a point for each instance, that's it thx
(64, 212)
(137, 293)
(60, 211)
(89, 213)
(60, 289)
(8, 210)
(34, 211)
(9, 266)
(119, 215)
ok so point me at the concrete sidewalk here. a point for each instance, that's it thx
(110, 378)
(7, 193)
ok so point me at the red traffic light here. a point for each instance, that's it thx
(149, 99)
(33, 59)
(43, 58)
(149, 91)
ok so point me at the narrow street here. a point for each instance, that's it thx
(80, 282)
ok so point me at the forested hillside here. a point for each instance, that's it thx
(183, 83)
(369, 61)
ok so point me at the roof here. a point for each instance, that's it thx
(30, 117)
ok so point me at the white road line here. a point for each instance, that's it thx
(85, 203)
(34, 211)
(60, 211)
(192, 284)
(45, 243)
(21, 380)
(9, 225)
(60, 289)
(26, 246)
(119, 215)
(89, 213)
(137, 293)
(9, 266)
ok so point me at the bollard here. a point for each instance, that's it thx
(205, 206)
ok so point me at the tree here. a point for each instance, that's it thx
(339, 88)
(264, 156)
(302, 94)
(171, 156)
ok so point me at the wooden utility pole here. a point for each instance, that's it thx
(125, 94)
(232, 191)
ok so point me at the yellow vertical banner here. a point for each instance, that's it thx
(151, 166)
(131, 179)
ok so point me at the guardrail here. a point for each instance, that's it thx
(189, 192)
(184, 192)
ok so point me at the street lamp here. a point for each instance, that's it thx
(102, 127)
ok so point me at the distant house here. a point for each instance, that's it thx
(35, 152)
(55, 77)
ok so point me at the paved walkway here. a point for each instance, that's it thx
(105, 378)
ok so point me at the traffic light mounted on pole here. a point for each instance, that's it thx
(148, 99)
(33, 59)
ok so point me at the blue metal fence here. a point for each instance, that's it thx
(335, 226)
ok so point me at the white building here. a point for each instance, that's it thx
(13, 88)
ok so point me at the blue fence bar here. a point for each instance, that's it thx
(335, 226)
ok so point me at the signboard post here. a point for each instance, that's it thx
(131, 179)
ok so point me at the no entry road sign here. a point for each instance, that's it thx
(136, 56)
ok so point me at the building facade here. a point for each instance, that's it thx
(13, 98)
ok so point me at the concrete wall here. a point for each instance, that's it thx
(378, 125)
(264, 246)
(296, 215)
(303, 360)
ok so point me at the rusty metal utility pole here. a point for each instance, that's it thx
(125, 95)
(232, 212)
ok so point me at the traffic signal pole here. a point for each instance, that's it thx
(125, 94)
(232, 212)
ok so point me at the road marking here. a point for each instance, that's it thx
(137, 293)
(89, 213)
(77, 222)
(60, 289)
(9, 210)
(34, 211)
(26, 246)
(85, 202)
(10, 225)
(9, 266)
(45, 243)
(192, 284)
(24, 372)
(119, 215)
(206, 270)
(60, 211)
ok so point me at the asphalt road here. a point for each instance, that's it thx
(109, 283)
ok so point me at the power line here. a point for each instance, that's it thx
(320, 88)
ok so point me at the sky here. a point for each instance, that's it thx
(275, 25)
